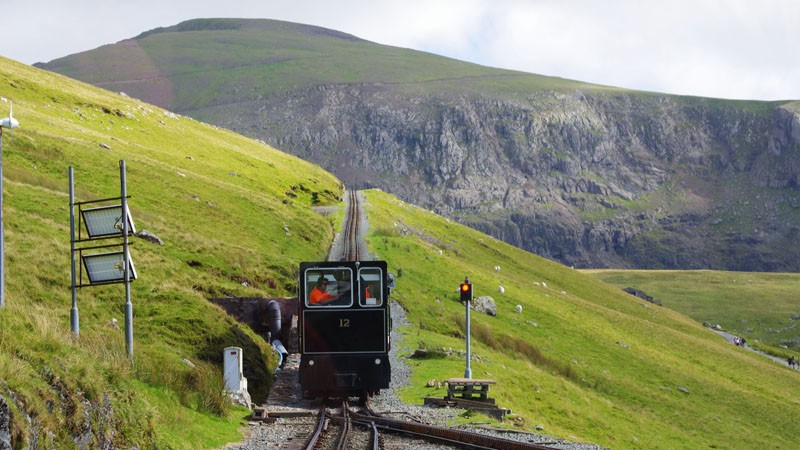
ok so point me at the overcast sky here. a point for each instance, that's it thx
(744, 49)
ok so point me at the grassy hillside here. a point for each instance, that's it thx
(758, 306)
(205, 63)
(583, 360)
(235, 219)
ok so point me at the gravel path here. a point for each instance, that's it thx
(729, 337)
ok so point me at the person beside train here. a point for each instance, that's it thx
(319, 295)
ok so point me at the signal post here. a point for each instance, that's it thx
(466, 297)
(468, 392)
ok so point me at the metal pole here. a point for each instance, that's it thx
(73, 313)
(468, 370)
(2, 232)
(125, 259)
(7, 122)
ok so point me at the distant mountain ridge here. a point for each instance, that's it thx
(587, 175)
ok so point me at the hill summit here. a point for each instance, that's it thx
(588, 175)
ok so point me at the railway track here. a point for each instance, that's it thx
(338, 432)
(351, 234)
(290, 422)
(351, 430)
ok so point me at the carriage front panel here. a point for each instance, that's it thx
(344, 331)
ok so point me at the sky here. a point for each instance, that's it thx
(735, 49)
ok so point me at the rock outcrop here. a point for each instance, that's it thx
(587, 179)
(5, 425)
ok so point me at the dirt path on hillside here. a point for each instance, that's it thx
(729, 337)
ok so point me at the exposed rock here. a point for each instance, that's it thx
(420, 353)
(241, 398)
(5, 423)
(150, 237)
(485, 304)
(533, 172)
(93, 425)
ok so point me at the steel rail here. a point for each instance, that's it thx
(312, 440)
(351, 250)
(465, 439)
(344, 435)
(376, 436)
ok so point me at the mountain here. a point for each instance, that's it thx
(582, 360)
(590, 176)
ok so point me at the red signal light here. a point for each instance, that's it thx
(466, 292)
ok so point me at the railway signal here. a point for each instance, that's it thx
(466, 296)
(466, 291)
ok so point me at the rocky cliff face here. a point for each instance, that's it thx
(588, 179)
(586, 175)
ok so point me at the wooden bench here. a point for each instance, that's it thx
(468, 388)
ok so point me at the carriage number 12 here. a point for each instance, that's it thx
(344, 323)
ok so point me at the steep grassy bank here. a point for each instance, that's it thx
(235, 218)
(584, 360)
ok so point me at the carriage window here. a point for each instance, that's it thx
(370, 290)
(329, 287)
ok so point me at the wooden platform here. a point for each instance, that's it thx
(469, 388)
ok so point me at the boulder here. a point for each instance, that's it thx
(150, 237)
(486, 305)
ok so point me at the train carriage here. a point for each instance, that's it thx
(344, 328)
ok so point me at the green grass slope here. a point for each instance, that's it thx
(235, 218)
(584, 360)
(759, 306)
(204, 63)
